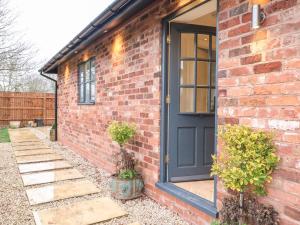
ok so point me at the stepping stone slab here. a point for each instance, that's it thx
(42, 166)
(27, 143)
(38, 158)
(35, 152)
(25, 140)
(50, 176)
(23, 148)
(80, 213)
(60, 191)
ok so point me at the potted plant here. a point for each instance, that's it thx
(127, 183)
(244, 166)
(52, 132)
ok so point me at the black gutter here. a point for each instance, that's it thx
(55, 101)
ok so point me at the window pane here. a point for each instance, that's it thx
(202, 73)
(202, 98)
(187, 72)
(93, 69)
(87, 92)
(203, 46)
(87, 71)
(81, 73)
(213, 99)
(81, 92)
(213, 73)
(187, 45)
(214, 43)
(186, 100)
(92, 91)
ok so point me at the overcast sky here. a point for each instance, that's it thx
(50, 24)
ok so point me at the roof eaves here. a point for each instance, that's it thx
(94, 28)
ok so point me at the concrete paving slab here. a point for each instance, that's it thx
(38, 158)
(80, 213)
(34, 152)
(43, 166)
(32, 147)
(50, 176)
(56, 192)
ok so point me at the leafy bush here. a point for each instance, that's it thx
(128, 174)
(247, 160)
(121, 132)
(215, 222)
(53, 126)
(124, 161)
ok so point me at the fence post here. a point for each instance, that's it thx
(12, 106)
(44, 110)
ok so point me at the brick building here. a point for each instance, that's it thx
(153, 63)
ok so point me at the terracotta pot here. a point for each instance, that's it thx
(126, 189)
(52, 135)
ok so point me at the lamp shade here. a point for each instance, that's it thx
(256, 18)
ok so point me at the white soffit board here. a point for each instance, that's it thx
(197, 12)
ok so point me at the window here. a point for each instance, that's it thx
(86, 81)
(197, 73)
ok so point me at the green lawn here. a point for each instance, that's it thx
(4, 136)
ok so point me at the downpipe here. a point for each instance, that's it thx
(55, 100)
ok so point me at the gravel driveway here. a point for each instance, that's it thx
(15, 208)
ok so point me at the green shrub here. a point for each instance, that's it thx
(124, 161)
(121, 132)
(247, 160)
(53, 126)
(128, 174)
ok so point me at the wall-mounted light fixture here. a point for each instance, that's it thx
(258, 16)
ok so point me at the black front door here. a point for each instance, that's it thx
(192, 102)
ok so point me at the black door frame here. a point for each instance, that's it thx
(196, 201)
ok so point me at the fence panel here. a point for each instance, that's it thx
(26, 106)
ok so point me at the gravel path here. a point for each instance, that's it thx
(142, 210)
(14, 207)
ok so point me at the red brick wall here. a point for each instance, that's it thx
(259, 86)
(127, 89)
(128, 85)
(258, 78)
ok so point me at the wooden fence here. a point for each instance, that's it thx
(26, 106)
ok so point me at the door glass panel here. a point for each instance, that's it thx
(214, 43)
(187, 45)
(202, 98)
(213, 99)
(187, 72)
(186, 100)
(202, 73)
(203, 46)
(213, 74)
